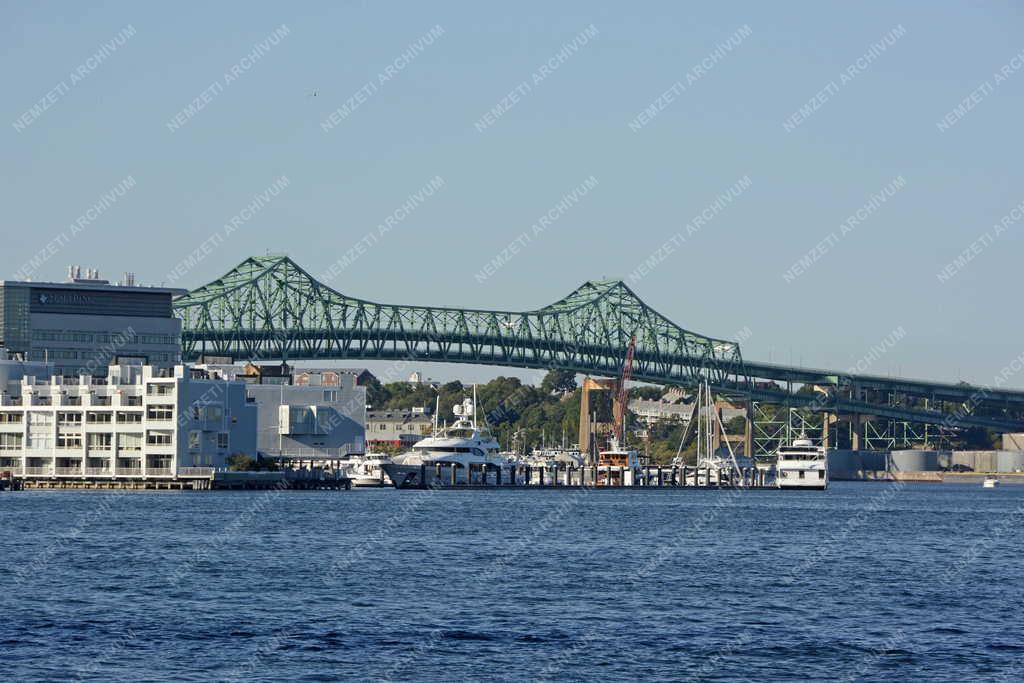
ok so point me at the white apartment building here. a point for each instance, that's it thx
(137, 422)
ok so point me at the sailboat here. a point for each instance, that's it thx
(714, 467)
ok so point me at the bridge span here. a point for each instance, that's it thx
(269, 308)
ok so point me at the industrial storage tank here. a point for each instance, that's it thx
(843, 464)
(874, 461)
(1010, 461)
(914, 460)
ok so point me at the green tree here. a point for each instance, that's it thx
(559, 381)
(240, 462)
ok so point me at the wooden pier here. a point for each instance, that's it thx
(444, 476)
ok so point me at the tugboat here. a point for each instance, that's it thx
(617, 466)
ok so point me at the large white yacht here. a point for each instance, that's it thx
(464, 445)
(802, 465)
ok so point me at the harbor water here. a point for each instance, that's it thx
(865, 581)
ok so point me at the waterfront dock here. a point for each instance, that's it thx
(558, 477)
(191, 479)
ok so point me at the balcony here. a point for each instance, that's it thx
(158, 472)
(68, 471)
(97, 471)
(38, 471)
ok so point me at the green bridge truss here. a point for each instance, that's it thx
(268, 308)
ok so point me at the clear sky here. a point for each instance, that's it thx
(723, 86)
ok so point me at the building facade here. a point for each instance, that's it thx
(398, 428)
(85, 324)
(303, 414)
(136, 422)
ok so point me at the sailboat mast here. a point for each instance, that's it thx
(474, 406)
(437, 409)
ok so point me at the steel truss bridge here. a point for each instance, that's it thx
(269, 308)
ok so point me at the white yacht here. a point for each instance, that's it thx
(464, 445)
(990, 482)
(367, 470)
(802, 465)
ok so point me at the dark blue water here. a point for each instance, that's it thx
(862, 582)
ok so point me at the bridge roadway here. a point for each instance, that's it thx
(937, 391)
(269, 308)
(487, 352)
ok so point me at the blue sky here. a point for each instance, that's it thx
(416, 123)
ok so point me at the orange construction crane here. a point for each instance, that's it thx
(619, 399)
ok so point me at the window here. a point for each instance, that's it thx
(821, 474)
(43, 419)
(158, 438)
(331, 396)
(128, 418)
(10, 418)
(160, 412)
(99, 442)
(159, 389)
(129, 442)
(69, 440)
(10, 442)
(222, 440)
(98, 418)
(801, 474)
(43, 442)
(194, 440)
(209, 413)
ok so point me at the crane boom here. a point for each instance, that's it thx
(623, 392)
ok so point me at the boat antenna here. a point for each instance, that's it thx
(474, 406)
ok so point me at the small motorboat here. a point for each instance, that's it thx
(990, 483)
